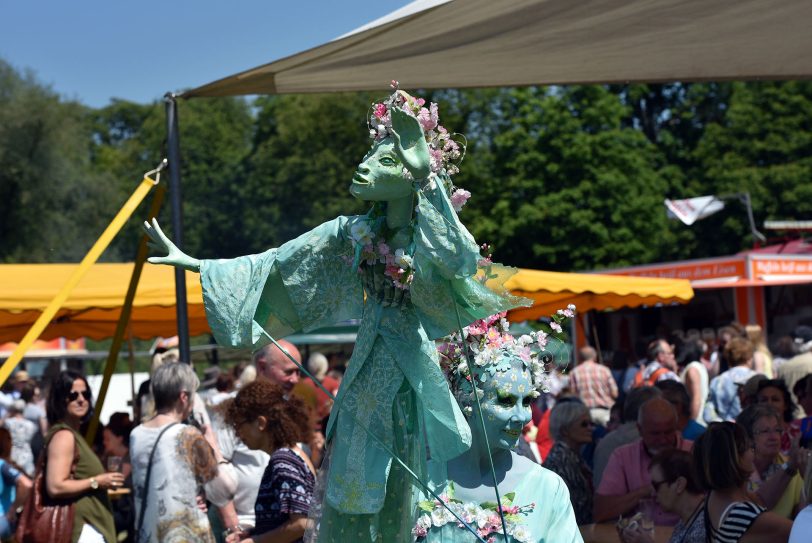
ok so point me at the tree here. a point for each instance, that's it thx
(568, 186)
(51, 198)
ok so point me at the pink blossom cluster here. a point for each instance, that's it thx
(443, 150)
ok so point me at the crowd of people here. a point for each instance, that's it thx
(705, 433)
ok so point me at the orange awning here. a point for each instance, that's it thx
(554, 290)
(94, 306)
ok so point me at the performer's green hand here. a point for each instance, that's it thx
(162, 244)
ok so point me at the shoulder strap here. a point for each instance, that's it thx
(146, 480)
(657, 374)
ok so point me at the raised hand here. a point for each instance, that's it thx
(162, 244)
(410, 143)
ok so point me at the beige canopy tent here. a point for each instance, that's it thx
(482, 43)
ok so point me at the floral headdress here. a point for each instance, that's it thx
(445, 153)
(493, 348)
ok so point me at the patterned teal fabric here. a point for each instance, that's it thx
(309, 282)
(552, 519)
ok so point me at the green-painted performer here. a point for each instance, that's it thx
(419, 267)
(509, 373)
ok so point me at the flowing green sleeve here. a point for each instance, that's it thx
(447, 273)
(305, 284)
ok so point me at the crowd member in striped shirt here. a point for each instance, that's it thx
(723, 460)
(594, 384)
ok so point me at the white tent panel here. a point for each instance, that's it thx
(481, 43)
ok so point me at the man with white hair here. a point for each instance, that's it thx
(626, 480)
(274, 365)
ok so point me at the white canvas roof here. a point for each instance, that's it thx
(482, 43)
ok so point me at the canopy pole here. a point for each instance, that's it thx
(173, 152)
(123, 319)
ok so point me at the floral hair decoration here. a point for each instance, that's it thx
(445, 153)
(493, 348)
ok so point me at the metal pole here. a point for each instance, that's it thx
(173, 153)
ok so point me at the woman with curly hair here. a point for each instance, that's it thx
(265, 419)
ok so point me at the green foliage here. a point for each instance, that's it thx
(568, 187)
(563, 178)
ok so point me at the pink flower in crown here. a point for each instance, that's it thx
(524, 354)
(458, 199)
(541, 340)
(379, 110)
(436, 160)
(495, 318)
(419, 531)
(477, 328)
(383, 248)
(556, 327)
(428, 120)
(494, 337)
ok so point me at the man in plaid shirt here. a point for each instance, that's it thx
(594, 384)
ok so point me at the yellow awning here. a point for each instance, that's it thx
(554, 290)
(94, 307)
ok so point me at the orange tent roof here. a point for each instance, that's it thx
(94, 307)
(554, 290)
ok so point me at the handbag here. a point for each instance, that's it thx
(45, 519)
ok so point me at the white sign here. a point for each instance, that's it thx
(692, 209)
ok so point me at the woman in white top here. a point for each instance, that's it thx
(694, 375)
(185, 464)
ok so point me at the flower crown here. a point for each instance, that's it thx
(445, 153)
(493, 348)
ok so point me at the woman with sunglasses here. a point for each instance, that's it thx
(73, 471)
(776, 478)
(677, 491)
(571, 427)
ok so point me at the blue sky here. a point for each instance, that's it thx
(93, 50)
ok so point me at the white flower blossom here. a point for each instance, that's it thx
(424, 521)
(521, 533)
(362, 233)
(402, 259)
(439, 517)
(525, 340)
(482, 518)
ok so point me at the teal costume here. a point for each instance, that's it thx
(393, 386)
(552, 519)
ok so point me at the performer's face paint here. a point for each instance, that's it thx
(505, 407)
(380, 176)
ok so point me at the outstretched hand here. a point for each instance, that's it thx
(411, 143)
(162, 244)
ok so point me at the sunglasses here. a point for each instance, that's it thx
(73, 396)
